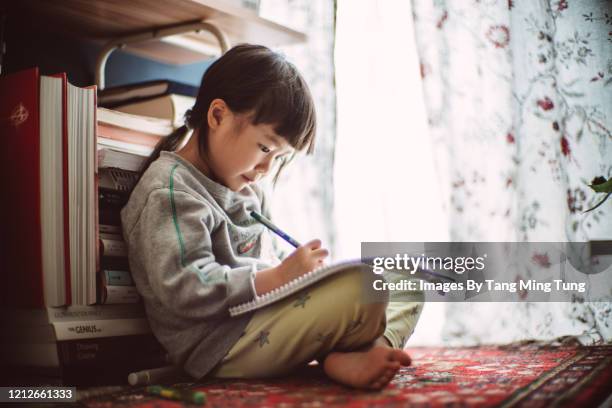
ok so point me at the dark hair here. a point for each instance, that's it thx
(252, 78)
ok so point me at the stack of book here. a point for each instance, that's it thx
(132, 119)
(115, 283)
(69, 313)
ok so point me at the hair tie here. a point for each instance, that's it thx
(187, 117)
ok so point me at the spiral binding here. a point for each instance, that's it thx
(290, 288)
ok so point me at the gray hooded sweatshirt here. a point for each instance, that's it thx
(193, 251)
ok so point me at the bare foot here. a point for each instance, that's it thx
(372, 369)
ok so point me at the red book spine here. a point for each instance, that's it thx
(21, 263)
(65, 189)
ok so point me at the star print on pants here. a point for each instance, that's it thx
(263, 338)
(301, 300)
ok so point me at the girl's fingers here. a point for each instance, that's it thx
(314, 244)
(320, 253)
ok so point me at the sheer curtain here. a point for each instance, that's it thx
(302, 201)
(386, 187)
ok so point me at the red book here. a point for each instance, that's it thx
(21, 268)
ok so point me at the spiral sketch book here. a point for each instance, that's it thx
(294, 286)
(308, 279)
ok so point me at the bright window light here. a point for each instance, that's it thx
(386, 187)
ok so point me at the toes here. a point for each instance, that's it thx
(390, 373)
(393, 365)
(402, 357)
(391, 368)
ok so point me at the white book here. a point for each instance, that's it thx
(118, 145)
(114, 294)
(51, 189)
(75, 329)
(154, 126)
(34, 317)
(72, 330)
(171, 107)
(81, 116)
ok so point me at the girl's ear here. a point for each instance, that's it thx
(217, 111)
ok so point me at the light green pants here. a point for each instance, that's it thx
(328, 316)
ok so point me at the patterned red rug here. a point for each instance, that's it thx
(510, 376)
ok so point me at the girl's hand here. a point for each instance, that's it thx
(304, 259)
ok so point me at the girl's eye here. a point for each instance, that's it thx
(264, 149)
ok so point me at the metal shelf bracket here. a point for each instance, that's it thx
(153, 35)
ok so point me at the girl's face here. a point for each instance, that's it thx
(240, 153)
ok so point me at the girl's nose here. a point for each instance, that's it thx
(264, 166)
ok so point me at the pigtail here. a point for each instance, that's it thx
(169, 144)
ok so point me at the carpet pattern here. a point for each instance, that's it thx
(528, 375)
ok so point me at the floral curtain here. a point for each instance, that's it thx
(519, 101)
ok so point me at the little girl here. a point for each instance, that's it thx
(194, 250)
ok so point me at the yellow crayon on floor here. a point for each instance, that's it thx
(189, 396)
